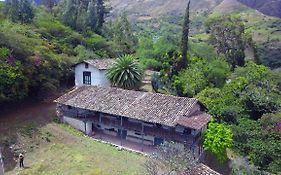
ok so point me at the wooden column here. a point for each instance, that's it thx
(100, 122)
(121, 128)
(142, 135)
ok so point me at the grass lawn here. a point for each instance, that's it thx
(60, 149)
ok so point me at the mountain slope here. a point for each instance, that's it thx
(268, 7)
(157, 8)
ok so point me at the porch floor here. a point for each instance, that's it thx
(123, 143)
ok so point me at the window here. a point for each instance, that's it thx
(86, 65)
(87, 78)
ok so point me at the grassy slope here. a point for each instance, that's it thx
(52, 148)
(59, 149)
(69, 152)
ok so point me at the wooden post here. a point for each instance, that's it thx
(121, 129)
(1, 163)
(142, 134)
(100, 122)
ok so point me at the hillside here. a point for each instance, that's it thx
(268, 7)
(158, 8)
(147, 9)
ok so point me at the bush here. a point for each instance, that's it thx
(151, 64)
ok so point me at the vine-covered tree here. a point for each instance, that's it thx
(226, 34)
(170, 158)
(126, 73)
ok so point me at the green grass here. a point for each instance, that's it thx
(69, 152)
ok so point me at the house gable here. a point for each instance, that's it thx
(97, 76)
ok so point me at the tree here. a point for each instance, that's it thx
(191, 80)
(185, 35)
(218, 71)
(170, 158)
(101, 12)
(49, 4)
(26, 12)
(259, 140)
(126, 73)
(226, 34)
(12, 9)
(19, 10)
(83, 14)
(13, 83)
(92, 15)
(123, 37)
(217, 139)
(69, 14)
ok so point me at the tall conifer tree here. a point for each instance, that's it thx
(185, 35)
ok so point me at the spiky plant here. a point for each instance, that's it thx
(125, 73)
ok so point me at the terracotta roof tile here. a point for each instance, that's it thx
(202, 169)
(101, 64)
(195, 121)
(146, 106)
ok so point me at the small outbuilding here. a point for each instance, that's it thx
(92, 72)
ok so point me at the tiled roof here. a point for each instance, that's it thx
(195, 121)
(202, 169)
(146, 106)
(101, 64)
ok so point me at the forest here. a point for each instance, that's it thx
(38, 45)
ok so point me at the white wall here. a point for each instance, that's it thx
(79, 124)
(98, 77)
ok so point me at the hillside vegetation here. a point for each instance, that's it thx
(223, 54)
(35, 58)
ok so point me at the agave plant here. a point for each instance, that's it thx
(126, 73)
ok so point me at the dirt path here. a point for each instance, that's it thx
(30, 111)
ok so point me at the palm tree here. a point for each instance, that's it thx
(126, 73)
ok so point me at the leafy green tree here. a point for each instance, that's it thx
(260, 96)
(217, 139)
(260, 140)
(185, 34)
(124, 39)
(218, 72)
(226, 34)
(145, 49)
(252, 91)
(13, 83)
(191, 80)
(126, 73)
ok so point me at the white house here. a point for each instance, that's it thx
(93, 72)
